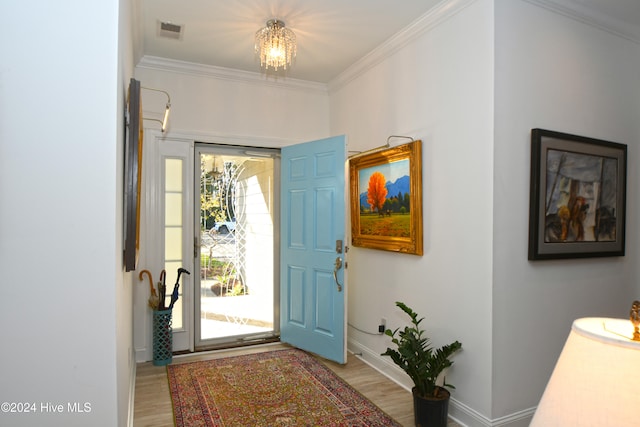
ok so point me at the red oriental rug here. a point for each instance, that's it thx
(276, 388)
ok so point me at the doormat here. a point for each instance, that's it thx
(275, 388)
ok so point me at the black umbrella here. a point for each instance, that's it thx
(174, 294)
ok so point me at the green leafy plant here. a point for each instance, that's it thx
(417, 358)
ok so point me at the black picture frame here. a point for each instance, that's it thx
(132, 177)
(577, 205)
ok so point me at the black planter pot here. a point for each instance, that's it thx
(431, 412)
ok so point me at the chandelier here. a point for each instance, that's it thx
(276, 45)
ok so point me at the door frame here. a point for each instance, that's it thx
(151, 252)
(230, 150)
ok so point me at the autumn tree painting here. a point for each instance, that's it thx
(376, 191)
(383, 211)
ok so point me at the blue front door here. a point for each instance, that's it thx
(312, 292)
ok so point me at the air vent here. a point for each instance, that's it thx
(169, 30)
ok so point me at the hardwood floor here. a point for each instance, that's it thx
(152, 406)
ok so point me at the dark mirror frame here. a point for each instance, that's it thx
(132, 177)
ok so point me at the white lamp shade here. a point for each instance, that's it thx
(596, 381)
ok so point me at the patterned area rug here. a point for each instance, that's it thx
(276, 388)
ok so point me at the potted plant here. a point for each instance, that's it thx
(423, 364)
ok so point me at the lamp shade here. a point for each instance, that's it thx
(596, 381)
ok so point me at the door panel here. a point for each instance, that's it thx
(324, 293)
(313, 309)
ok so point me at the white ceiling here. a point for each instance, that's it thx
(331, 34)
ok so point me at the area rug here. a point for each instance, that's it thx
(277, 388)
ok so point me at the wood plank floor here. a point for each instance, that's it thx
(152, 406)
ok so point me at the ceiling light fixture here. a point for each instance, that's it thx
(276, 45)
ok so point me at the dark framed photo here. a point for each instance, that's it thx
(577, 198)
(133, 175)
(386, 199)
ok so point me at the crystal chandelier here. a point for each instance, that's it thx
(276, 45)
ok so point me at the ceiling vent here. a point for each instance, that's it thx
(170, 31)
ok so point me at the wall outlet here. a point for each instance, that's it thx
(382, 326)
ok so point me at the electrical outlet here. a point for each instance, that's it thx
(382, 326)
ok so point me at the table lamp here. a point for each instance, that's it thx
(596, 381)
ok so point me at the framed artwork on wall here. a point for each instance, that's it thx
(386, 199)
(577, 201)
(132, 175)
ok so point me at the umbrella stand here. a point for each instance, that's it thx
(162, 337)
(162, 319)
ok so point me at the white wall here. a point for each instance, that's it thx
(552, 72)
(439, 89)
(211, 104)
(64, 302)
(555, 73)
(125, 356)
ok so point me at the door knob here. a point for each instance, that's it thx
(337, 266)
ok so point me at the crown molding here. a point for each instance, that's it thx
(434, 17)
(575, 11)
(448, 8)
(230, 74)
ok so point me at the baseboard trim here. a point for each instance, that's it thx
(143, 355)
(133, 366)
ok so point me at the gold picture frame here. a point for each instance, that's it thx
(386, 199)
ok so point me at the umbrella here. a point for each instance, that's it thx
(153, 299)
(162, 288)
(174, 294)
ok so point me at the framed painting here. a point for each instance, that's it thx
(386, 199)
(133, 174)
(577, 197)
